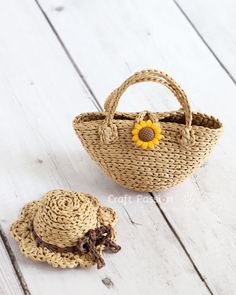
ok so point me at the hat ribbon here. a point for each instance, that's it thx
(94, 237)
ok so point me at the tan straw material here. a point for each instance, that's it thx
(148, 151)
(66, 229)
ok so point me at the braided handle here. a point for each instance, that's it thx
(108, 130)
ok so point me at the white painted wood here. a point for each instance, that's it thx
(216, 22)
(9, 284)
(111, 40)
(40, 93)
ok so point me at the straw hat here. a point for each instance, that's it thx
(66, 229)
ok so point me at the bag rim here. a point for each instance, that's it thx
(130, 116)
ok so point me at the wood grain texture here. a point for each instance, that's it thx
(40, 94)
(128, 36)
(215, 21)
(9, 283)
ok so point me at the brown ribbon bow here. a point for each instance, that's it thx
(93, 238)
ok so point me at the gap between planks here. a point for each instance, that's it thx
(99, 108)
(204, 41)
(95, 100)
(13, 260)
(181, 244)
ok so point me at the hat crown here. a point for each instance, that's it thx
(63, 217)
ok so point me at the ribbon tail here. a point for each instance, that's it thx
(98, 258)
(112, 246)
(100, 262)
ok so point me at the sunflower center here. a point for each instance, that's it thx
(146, 134)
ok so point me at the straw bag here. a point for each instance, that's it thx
(148, 151)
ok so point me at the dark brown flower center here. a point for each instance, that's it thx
(146, 134)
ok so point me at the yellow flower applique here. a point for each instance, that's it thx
(146, 134)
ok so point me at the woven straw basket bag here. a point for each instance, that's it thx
(148, 151)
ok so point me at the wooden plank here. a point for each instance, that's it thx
(112, 40)
(40, 94)
(9, 283)
(215, 24)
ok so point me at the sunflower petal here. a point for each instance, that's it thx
(139, 142)
(151, 145)
(158, 136)
(135, 138)
(155, 141)
(135, 131)
(144, 145)
(137, 126)
(143, 123)
(154, 125)
(157, 129)
(149, 123)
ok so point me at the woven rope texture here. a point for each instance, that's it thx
(187, 139)
(61, 219)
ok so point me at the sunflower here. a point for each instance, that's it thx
(146, 134)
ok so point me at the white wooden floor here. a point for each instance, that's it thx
(59, 58)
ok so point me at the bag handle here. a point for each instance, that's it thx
(108, 130)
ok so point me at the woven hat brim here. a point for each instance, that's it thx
(21, 231)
